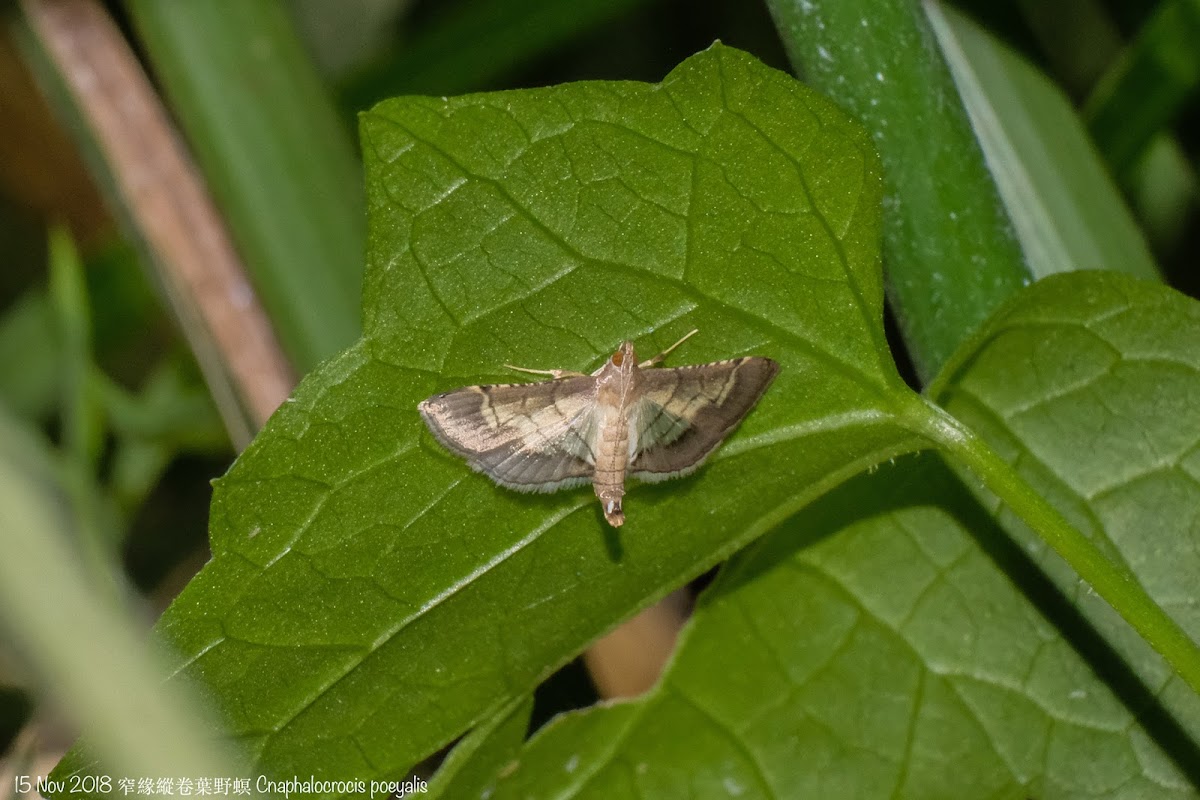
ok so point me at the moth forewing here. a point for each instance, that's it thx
(523, 436)
(653, 423)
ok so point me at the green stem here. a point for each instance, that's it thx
(1119, 588)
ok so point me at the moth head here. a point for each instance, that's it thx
(624, 356)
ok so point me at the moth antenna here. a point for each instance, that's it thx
(659, 358)
(553, 373)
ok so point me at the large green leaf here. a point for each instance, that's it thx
(892, 641)
(1090, 388)
(404, 597)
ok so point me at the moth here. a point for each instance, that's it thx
(625, 419)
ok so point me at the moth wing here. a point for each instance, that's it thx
(685, 412)
(532, 437)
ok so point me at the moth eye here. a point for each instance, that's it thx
(617, 358)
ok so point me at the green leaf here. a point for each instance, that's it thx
(892, 640)
(407, 598)
(172, 413)
(472, 767)
(951, 253)
(1089, 387)
(29, 356)
(1067, 212)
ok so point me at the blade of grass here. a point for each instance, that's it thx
(97, 532)
(951, 254)
(82, 426)
(1066, 210)
(86, 653)
(1144, 90)
(280, 163)
(1080, 42)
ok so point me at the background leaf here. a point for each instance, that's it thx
(469, 45)
(1148, 86)
(952, 256)
(275, 154)
(1087, 387)
(59, 606)
(1067, 212)
(408, 598)
(894, 629)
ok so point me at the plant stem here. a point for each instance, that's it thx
(156, 189)
(1119, 587)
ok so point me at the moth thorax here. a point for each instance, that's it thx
(624, 356)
